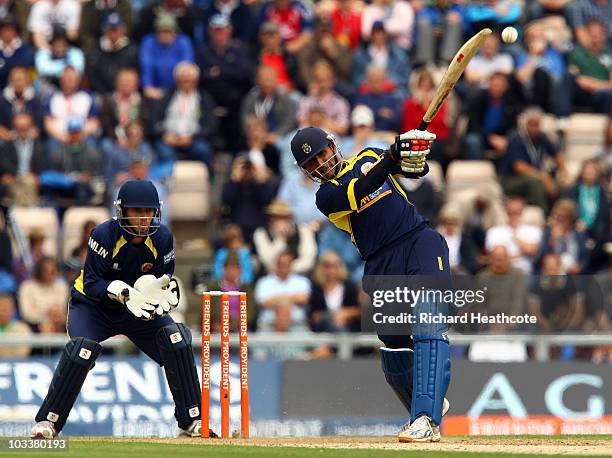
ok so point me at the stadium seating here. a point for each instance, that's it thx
(464, 175)
(189, 196)
(586, 129)
(74, 219)
(41, 219)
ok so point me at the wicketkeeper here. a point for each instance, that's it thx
(362, 197)
(126, 287)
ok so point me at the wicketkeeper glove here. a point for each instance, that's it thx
(411, 149)
(137, 304)
(164, 290)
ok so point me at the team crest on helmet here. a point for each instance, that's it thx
(306, 148)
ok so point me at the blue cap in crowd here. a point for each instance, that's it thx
(218, 21)
(112, 21)
(378, 25)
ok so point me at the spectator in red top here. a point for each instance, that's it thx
(273, 54)
(294, 19)
(346, 23)
(422, 88)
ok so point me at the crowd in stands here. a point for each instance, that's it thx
(96, 92)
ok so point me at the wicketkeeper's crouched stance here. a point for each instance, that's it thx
(362, 197)
(126, 287)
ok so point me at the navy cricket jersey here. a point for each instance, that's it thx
(110, 256)
(379, 218)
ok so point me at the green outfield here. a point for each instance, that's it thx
(339, 447)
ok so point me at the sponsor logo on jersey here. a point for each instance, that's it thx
(97, 248)
(368, 200)
(169, 257)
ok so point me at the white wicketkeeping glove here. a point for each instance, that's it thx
(138, 305)
(164, 290)
(414, 148)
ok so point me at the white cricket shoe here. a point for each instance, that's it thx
(419, 431)
(404, 433)
(195, 430)
(43, 430)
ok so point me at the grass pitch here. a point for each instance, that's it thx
(339, 447)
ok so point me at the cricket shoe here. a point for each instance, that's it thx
(195, 430)
(43, 430)
(404, 434)
(419, 431)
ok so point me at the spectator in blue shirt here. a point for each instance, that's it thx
(542, 72)
(120, 154)
(233, 242)
(299, 192)
(382, 98)
(159, 54)
(333, 239)
(383, 52)
(492, 13)
(51, 63)
(492, 115)
(7, 281)
(13, 51)
(439, 31)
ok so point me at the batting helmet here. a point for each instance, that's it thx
(307, 143)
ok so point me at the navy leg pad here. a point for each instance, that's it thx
(77, 359)
(397, 365)
(174, 342)
(432, 372)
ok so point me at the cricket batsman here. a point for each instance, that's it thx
(126, 287)
(362, 197)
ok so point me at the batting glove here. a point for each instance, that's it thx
(413, 147)
(164, 290)
(137, 304)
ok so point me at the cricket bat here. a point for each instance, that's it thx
(453, 73)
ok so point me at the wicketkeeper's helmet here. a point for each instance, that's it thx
(138, 194)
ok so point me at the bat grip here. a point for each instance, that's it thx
(423, 125)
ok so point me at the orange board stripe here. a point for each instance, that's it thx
(536, 424)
